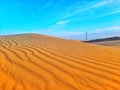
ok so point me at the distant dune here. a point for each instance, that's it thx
(38, 62)
(111, 41)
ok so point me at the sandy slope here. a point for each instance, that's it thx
(37, 62)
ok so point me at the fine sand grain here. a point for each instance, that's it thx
(38, 62)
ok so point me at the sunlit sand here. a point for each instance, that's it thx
(38, 62)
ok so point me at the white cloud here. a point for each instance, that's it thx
(114, 12)
(99, 4)
(58, 26)
(107, 29)
(113, 28)
(62, 23)
(104, 3)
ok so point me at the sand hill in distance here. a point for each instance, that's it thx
(111, 41)
(39, 62)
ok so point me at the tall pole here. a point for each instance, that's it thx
(86, 36)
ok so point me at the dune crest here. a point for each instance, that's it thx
(38, 62)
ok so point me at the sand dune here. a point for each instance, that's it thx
(38, 62)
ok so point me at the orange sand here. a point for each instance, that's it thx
(37, 62)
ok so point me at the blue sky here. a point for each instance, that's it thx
(59, 17)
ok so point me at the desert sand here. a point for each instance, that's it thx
(38, 62)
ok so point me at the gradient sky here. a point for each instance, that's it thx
(59, 17)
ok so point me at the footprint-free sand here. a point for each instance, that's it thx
(38, 62)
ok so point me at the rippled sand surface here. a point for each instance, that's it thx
(38, 62)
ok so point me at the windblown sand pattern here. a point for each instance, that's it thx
(37, 62)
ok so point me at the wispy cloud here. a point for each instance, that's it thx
(97, 33)
(42, 7)
(110, 13)
(100, 4)
(80, 10)
(104, 32)
(62, 22)
(113, 29)
(103, 3)
(59, 25)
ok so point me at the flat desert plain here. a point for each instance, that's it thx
(38, 62)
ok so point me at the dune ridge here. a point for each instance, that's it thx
(38, 62)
